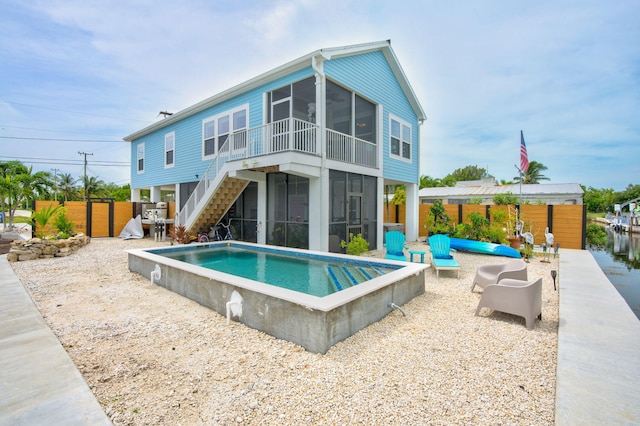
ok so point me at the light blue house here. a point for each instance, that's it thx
(299, 156)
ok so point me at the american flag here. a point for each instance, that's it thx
(524, 159)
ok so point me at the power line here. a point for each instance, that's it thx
(95, 162)
(73, 112)
(59, 140)
(54, 131)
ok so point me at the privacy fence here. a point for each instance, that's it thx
(567, 223)
(100, 218)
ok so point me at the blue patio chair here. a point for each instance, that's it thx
(395, 245)
(441, 258)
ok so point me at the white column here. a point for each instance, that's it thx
(154, 194)
(135, 194)
(319, 212)
(411, 227)
(262, 211)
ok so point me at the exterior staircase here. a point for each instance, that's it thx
(223, 197)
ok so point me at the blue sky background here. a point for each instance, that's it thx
(566, 73)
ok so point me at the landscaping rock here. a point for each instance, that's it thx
(37, 248)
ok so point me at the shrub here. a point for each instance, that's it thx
(42, 218)
(356, 245)
(63, 224)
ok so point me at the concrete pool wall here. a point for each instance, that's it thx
(315, 323)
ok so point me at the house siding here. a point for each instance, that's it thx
(371, 76)
(188, 138)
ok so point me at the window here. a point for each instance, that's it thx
(169, 149)
(217, 129)
(209, 136)
(140, 158)
(400, 139)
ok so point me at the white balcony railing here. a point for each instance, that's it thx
(351, 150)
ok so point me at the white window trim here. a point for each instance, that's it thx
(140, 157)
(173, 136)
(402, 123)
(215, 118)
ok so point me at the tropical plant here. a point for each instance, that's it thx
(356, 245)
(19, 185)
(438, 222)
(63, 224)
(505, 199)
(67, 186)
(42, 218)
(93, 187)
(533, 173)
(180, 234)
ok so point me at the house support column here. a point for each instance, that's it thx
(155, 194)
(411, 226)
(135, 195)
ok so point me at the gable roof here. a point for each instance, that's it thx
(287, 68)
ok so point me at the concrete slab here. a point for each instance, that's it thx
(598, 347)
(39, 384)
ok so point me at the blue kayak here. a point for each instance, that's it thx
(484, 248)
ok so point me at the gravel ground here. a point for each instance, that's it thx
(153, 357)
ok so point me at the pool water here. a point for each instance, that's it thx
(304, 274)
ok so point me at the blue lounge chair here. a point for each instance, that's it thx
(395, 245)
(441, 257)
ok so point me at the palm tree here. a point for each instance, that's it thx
(533, 174)
(93, 186)
(67, 185)
(18, 184)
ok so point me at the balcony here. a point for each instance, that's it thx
(288, 135)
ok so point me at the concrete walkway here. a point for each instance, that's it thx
(598, 376)
(39, 384)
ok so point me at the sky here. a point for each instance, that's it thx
(77, 76)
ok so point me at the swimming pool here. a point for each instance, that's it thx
(314, 322)
(306, 274)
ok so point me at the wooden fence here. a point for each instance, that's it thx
(567, 223)
(100, 218)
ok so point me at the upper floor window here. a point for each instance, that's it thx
(169, 149)
(400, 139)
(140, 157)
(217, 129)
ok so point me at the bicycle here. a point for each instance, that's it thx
(203, 237)
(216, 232)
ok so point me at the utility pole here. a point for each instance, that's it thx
(85, 172)
(55, 183)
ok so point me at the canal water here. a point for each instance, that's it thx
(620, 261)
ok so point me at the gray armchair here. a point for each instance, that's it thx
(516, 297)
(492, 274)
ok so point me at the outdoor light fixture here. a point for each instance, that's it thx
(554, 274)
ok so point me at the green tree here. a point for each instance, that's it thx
(598, 200)
(93, 187)
(468, 173)
(122, 193)
(67, 186)
(18, 185)
(533, 174)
